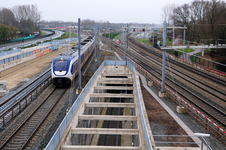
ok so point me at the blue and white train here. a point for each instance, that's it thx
(65, 67)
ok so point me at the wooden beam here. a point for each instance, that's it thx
(116, 74)
(117, 79)
(103, 104)
(107, 117)
(113, 87)
(70, 147)
(117, 71)
(105, 131)
(112, 95)
(115, 82)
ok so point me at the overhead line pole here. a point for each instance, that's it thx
(144, 35)
(184, 42)
(79, 54)
(95, 44)
(153, 38)
(127, 35)
(162, 94)
(99, 37)
(173, 35)
(125, 45)
(111, 36)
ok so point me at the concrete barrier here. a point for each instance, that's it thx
(16, 62)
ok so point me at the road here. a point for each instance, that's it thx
(57, 33)
(187, 55)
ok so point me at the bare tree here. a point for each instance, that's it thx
(28, 17)
(166, 13)
(7, 17)
(196, 15)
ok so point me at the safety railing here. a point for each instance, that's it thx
(67, 119)
(218, 132)
(184, 140)
(132, 66)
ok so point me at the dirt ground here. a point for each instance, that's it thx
(28, 69)
(162, 123)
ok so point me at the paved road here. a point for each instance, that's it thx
(57, 33)
(176, 41)
(187, 55)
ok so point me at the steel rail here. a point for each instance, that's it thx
(36, 126)
(135, 56)
(199, 72)
(189, 77)
(14, 105)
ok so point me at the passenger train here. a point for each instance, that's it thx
(65, 67)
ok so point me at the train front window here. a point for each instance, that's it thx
(60, 65)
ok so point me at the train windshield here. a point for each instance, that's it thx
(60, 65)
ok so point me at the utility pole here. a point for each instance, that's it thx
(127, 35)
(99, 37)
(144, 35)
(153, 38)
(79, 54)
(111, 36)
(95, 59)
(173, 35)
(184, 42)
(70, 34)
(125, 44)
(162, 92)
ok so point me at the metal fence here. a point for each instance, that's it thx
(185, 140)
(67, 119)
(203, 120)
(132, 66)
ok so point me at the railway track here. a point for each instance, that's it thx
(203, 73)
(218, 96)
(27, 144)
(180, 73)
(112, 140)
(213, 112)
(19, 138)
(15, 103)
(149, 63)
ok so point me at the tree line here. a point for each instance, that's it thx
(203, 19)
(23, 19)
(205, 22)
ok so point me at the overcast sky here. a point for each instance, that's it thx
(115, 11)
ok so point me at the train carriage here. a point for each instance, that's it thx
(65, 67)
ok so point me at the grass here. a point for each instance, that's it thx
(169, 42)
(187, 50)
(66, 35)
(74, 43)
(112, 34)
(42, 33)
(146, 41)
(180, 51)
(116, 37)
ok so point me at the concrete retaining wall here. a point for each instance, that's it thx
(16, 62)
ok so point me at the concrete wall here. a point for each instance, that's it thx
(16, 62)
